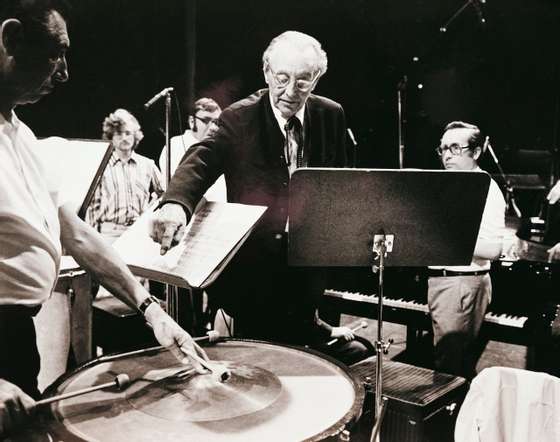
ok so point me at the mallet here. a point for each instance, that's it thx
(362, 324)
(121, 382)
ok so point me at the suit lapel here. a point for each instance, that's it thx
(273, 140)
(314, 134)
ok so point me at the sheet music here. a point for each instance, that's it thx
(72, 164)
(215, 230)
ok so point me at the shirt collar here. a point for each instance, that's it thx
(300, 115)
(115, 158)
(13, 122)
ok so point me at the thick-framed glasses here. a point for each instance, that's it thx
(455, 149)
(207, 120)
(282, 81)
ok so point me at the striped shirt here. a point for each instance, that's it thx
(125, 191)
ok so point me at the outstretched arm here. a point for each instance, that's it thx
(96, 256)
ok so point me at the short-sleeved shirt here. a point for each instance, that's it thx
(30, 246)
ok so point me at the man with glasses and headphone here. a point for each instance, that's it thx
(459, 295)
(259, 143)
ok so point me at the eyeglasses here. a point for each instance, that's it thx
(455, 149)
(283, 80)
(207, 120)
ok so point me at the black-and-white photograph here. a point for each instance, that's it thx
(249, 221)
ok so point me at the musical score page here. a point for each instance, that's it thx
(214, 234)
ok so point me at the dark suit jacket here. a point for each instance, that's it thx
(248, 148)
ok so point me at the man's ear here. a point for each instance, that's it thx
(192, 122)
(477, 152)
(12, 36)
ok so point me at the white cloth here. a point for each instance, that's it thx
(179, 146)
(510, 405)
(492, 227)
(30, 246)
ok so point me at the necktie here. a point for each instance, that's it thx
(295, 132)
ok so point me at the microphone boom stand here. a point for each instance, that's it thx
(510, 198)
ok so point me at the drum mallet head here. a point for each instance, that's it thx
(121, 382)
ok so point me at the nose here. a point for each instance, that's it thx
(291, 89)
(61, 73)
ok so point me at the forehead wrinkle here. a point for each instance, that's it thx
(294, 60)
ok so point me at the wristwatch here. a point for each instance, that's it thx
(146, 303)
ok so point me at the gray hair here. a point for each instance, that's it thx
(301, 41)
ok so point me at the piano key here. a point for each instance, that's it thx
(491, 317)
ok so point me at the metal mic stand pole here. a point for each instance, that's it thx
(510, 198)
(401, 87)
(171, 294)
(381, 245)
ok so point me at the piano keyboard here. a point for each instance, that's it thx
(409, 305)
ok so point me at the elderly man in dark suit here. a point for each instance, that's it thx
(260, 141)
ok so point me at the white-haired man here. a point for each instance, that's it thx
(259, 143)
(458, 296)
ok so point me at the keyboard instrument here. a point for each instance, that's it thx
(415, 315)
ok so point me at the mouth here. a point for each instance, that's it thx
(288, 102)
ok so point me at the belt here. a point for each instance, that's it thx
(443, 272)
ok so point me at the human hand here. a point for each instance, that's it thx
(554, 194)
(16, 407)
(342, 333)
(554, 253)
(168, 226)
(172, 336)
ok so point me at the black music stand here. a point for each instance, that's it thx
(353, 217)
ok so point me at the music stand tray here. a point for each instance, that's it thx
(351, 217)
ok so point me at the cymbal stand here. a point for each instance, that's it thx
(510, 198)
(382, 244)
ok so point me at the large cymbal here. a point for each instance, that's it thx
(187, 396)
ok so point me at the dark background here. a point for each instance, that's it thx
(503, 76)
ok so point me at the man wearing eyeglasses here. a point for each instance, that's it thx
(201, 123)
(459, 295)
(260, 142)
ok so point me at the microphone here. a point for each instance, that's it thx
(351, 135)
(488, 146)
(477, 5)
(156, 97)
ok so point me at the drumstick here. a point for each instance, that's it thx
(121, 382)
(219, 371)
(362, 324)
